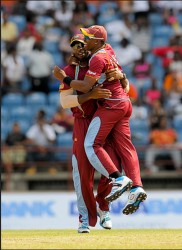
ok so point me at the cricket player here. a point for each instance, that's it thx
(112, 117)
(83, 107)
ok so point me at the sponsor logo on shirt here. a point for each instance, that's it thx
(91, 73)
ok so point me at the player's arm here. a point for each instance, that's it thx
(69, 100)
(83, 86)
(116, 73)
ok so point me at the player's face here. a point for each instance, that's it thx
(89, 43)
(79, 50)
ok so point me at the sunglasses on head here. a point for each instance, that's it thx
(89, 38)
(78, 46)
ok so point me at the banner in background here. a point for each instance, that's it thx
(162, 209)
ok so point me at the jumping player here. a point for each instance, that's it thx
(83, 107)
(112, 116)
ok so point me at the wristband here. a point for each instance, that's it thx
(67, 80)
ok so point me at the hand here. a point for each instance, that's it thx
(73, 60)
(98, 92)
(59, 73)
(114, 74)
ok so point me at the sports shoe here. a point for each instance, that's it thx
(83, 229)
(105, 220)
(120, 185)
(136, 196)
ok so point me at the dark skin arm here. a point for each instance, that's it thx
(96, 93)
(88, 82)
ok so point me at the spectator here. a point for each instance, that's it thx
(133, 93)
(167, 53)
(153, 93)
(40, 64)
(39, 7)
(170, 79)
(64, 15)
(140, 9)
(62, 121)
(139, 110)
(9, 30)
(162, 141)
(174, 94)
(142, 72)
(176, 64)
(13, 150)
(25, 43)
(41, 136)
(64, 45)
(141, 34)
(157, 111)
(13, 70)
(127, 53)
(119, 29)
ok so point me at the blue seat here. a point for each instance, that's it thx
(51, 46)
(54, 98)
(103, 7)
(58, 58)
(4, 113)
(177, 123)
(37, 98)
(13, 99)
(159, 42)
(4, 130)
(138, 125)
(155, 19)
(164, 31)
(65, 142)
(92, 8)
(179, 136)
(21, 113)
(19, 20)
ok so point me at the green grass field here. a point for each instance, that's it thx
(97, 239)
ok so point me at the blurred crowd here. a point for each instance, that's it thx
(147, 39)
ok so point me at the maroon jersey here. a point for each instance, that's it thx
(99, 63)
(88, 108)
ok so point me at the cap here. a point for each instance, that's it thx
(77, 38)
(95, 32)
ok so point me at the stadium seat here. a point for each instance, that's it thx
(4, 113)
(51, 46)
(92, 8)
(159, 42)
(177, 123)
(13, 99)
(35, 99)
(139, 125)
(65, 141)
(22, 113)
(103, 7)
(155, 19)
(58, 58)
(19, 20)
(163, 31)
(54, 99)
(179, 139)
(4, 129)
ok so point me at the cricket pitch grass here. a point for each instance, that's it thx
(97, 239)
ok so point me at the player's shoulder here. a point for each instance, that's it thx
(70, 70)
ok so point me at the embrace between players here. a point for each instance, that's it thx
(101, 134)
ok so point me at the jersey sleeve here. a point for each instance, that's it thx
(96, 67)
